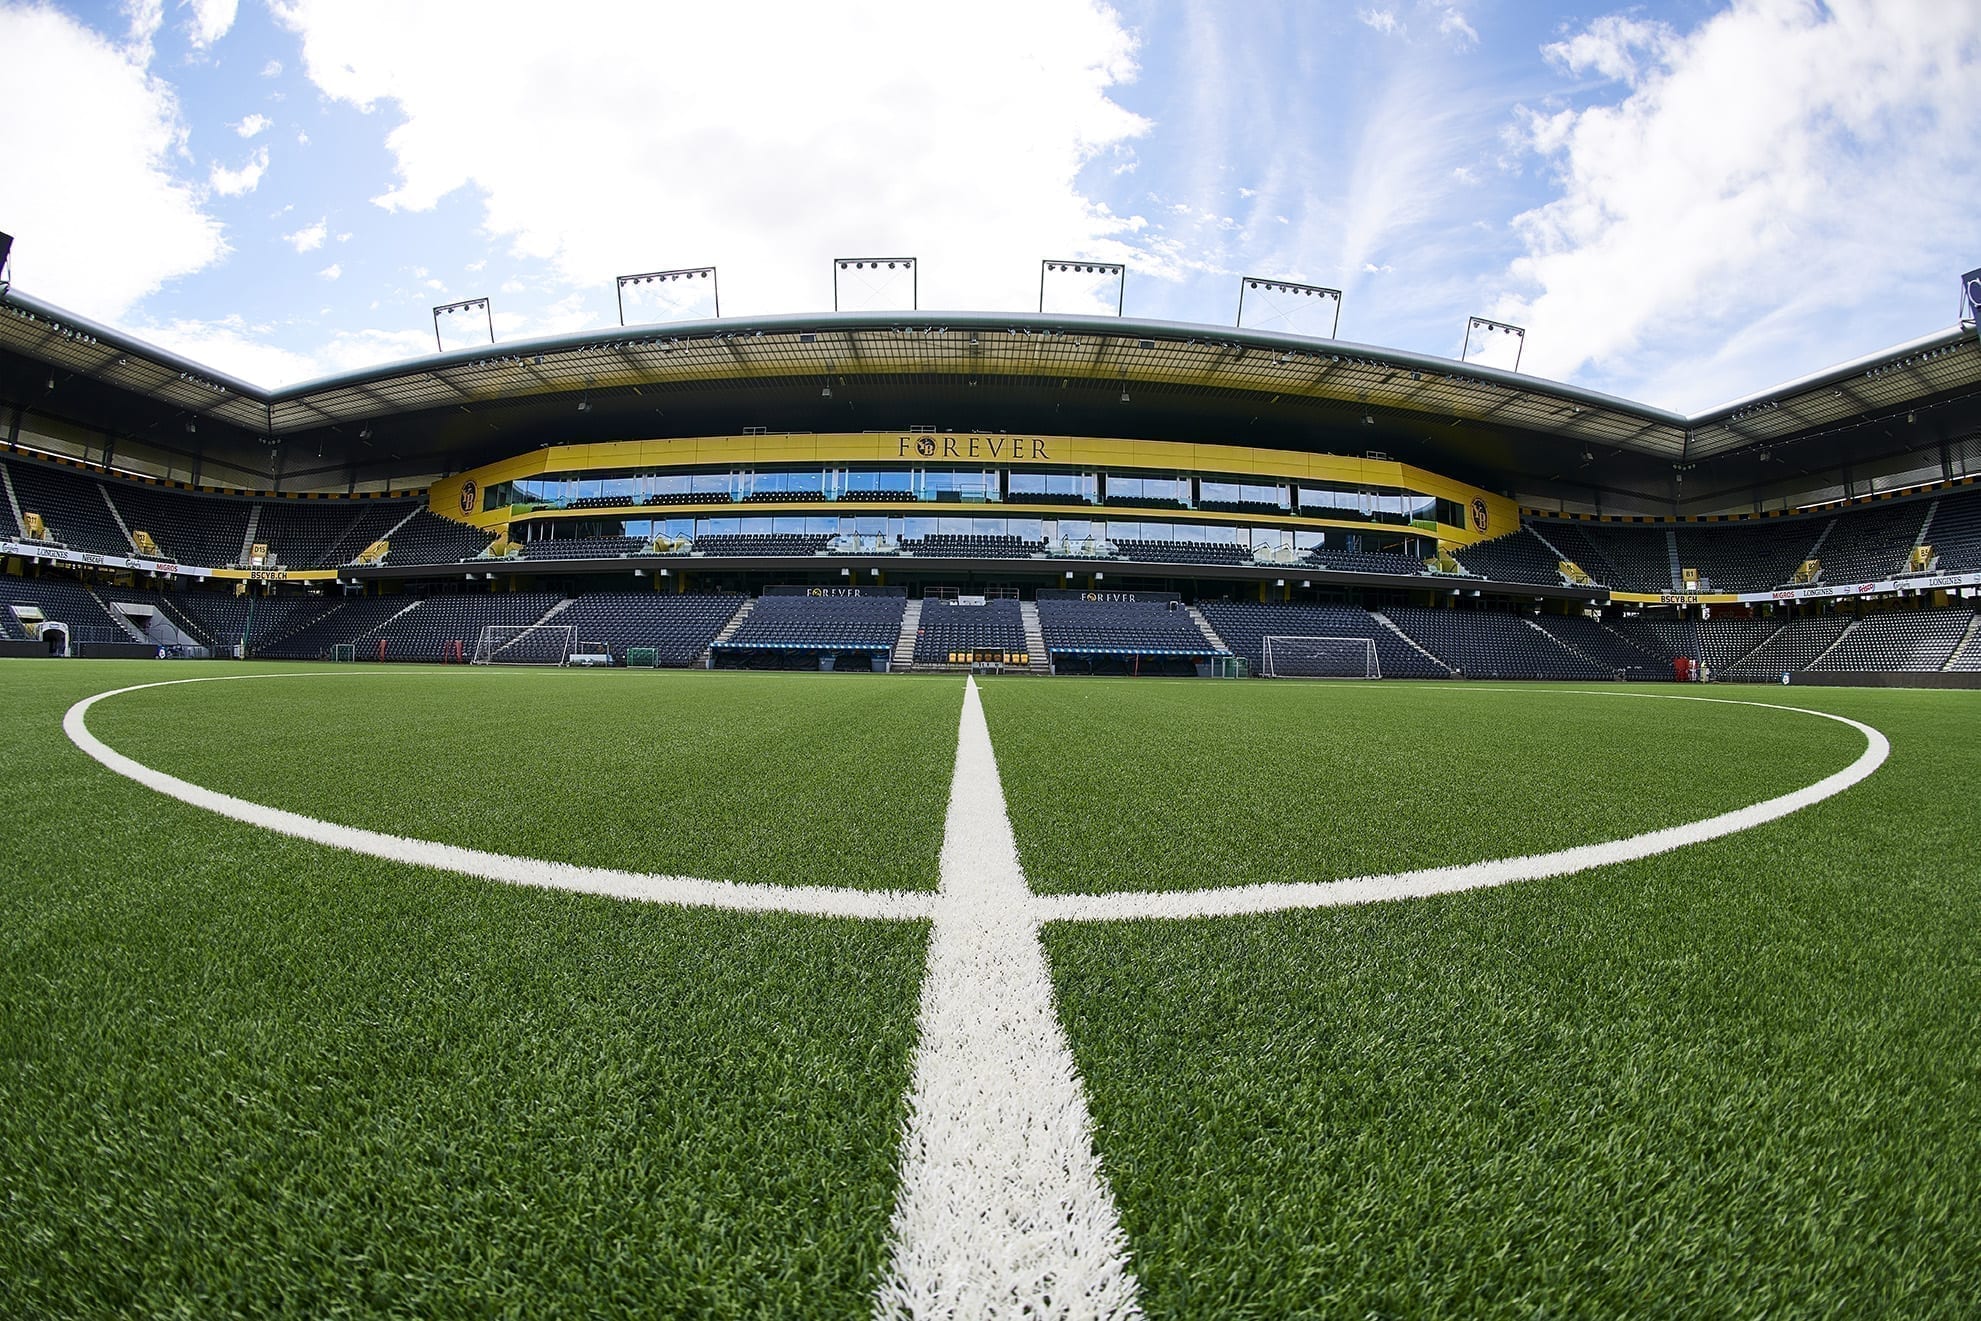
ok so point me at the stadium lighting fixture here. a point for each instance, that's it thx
(465, 305)
(1499, 327)
(1103, 268)
(908, 264)
(1260, 285)
(1124, 395)
(669, 277)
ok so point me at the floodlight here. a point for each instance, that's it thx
(465, 305)
(668, 277)
(1297, 291)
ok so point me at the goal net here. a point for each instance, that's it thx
(524, 644)
(1319, 658)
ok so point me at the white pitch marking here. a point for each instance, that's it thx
(687, 891)
(1002, 1209)
(1252, 899)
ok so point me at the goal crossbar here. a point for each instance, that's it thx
(1294, 656)
(524, 644)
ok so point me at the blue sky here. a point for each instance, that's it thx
(1682, 202)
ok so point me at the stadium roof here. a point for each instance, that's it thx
(959, 371)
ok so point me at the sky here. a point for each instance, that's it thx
(1681, 203)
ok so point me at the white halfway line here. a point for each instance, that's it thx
(1002, 1209)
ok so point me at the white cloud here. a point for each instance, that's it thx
(1615, 46)
(332, 271)
(1382, 20)
(345, 237)
(309, 238)
(1781, 166)
(144, 18)
(237, 183)
(101, 170)
(302, 138)
(1452, 24)
(252, 125)
(210, 20)
(822, 157)
(233, 346)
(272, 69)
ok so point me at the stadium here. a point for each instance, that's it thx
(941, 813)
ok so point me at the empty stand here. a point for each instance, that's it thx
(430, 539)
(1244, 626)
(1364, 561)
(1956, 532)
(1184, 552)
(786, 544)
(1517, 557)
(189, 527)
(445, 628)
(1122, 636)
(1483, 645)
(795, 630)
(1633, 559)
(680, 628)
(65, 600)
(1872, 542)
(583, 548)
(225, 619)
(1607, 647)
(972, 547)
(305, 534)
(948, 629)
(1799, 642)
(337, 620)
(1898, 642)
(71, 504)
(1748, 556)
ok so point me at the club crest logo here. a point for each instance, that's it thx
(925, 447)
(1479, 515)
(468, 493)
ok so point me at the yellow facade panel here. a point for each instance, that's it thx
(1489, 514)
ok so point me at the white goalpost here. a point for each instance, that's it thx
(1292, 657)
(524, 644)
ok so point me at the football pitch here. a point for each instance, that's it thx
(244, 1072)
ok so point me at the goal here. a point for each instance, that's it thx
(1287, 657)
(524, 644)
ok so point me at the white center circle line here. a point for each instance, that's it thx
(686, 891)
(1116, 906)
(1230, 901)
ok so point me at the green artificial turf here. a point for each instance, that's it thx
(1153, 785)
(785, 779)
(241, 1075)
(245, 1076)
(1740, 1079)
